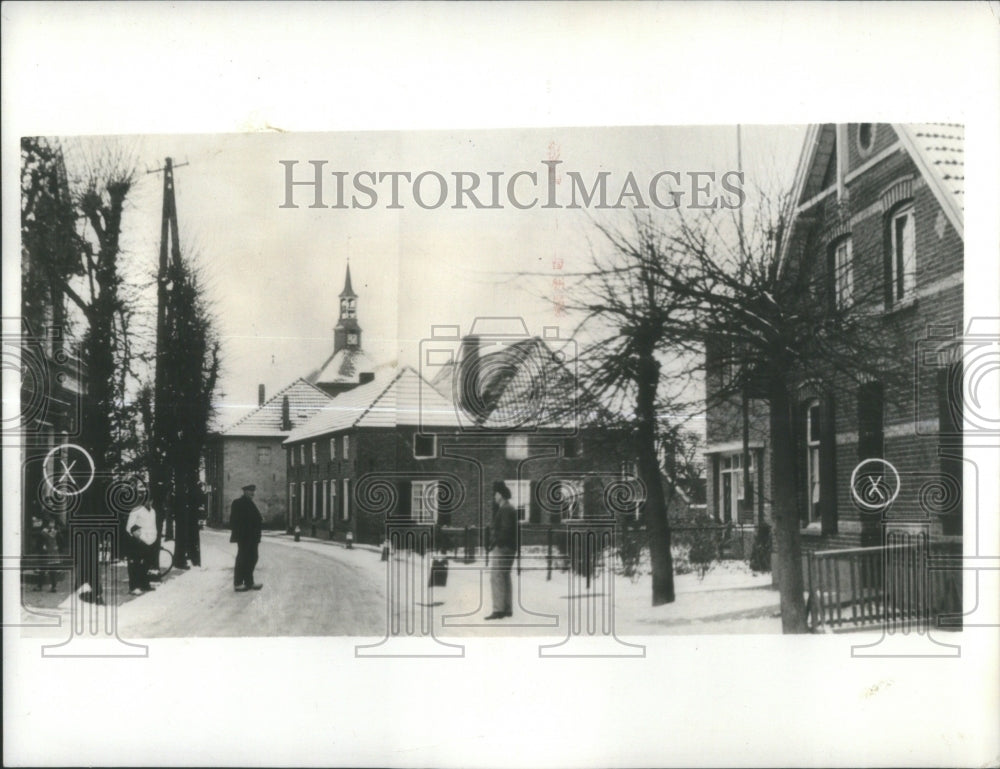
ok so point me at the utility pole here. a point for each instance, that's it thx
(160, 480)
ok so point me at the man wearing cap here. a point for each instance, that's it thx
(245, 521)
(503, 544)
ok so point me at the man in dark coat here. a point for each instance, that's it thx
(503, 545)
(245, 521)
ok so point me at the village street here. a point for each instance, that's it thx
(305, 593)
(318, 588)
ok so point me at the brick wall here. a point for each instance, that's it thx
(911, 401)
(240, 466)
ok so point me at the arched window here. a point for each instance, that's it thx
(813, 435)
(901, 269)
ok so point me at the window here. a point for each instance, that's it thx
(333, 500)
(347, 446)
(520, 498)
(866, 138)
(424, 446)
(348, 307)
(843, 274)
(733, 496)
(345, 502)
(902, 255)
(424, 501)
(291, 499)
(517, 446)
(871, 436)
(291, 456)
(333, 448)
(302, 500)
(314, 452)
(302, 453)
(570, 498)
(813, 435)
(323, 506)
(315, 499)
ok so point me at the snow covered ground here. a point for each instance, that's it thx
(729, 599)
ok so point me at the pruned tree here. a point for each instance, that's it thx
(71, 229)
(629, 318)
(768, 317)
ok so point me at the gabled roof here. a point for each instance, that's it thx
(522, 382)
(937, 149)
(393, 401)
(304, 400)
(343, 367)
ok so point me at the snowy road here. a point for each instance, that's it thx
(308, 591)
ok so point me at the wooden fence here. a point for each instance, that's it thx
(894, 585)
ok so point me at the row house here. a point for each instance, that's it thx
(425, 450)
(879, 210)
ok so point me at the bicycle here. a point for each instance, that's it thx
(165, 561)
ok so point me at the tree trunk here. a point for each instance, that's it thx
(649, 472)
(786, 519)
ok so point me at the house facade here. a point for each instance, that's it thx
(251, 451)
(401, 447)
(878, 211)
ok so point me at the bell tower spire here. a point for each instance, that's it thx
(347, 332)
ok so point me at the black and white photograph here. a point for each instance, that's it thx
(380, 433)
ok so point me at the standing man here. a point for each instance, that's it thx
(140, 548)
(245, 521)
(503, 542)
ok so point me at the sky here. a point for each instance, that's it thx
(274, 266)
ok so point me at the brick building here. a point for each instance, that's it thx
(878, 208)
(402, 446)
(250, 451)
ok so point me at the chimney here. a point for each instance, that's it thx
(470, 399)
(286, 417)
(260, 395)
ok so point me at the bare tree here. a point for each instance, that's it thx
(767, 317)
(629, 316)
(71, 231)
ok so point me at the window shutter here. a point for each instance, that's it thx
(871, 441)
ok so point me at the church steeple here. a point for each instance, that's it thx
(347, 332)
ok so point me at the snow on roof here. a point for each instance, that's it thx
(523, 382)
(402, 399)
(343, 367)
(304, 400)
(938, 149)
